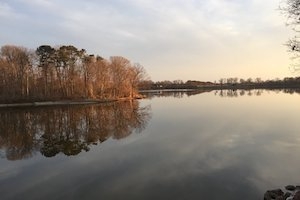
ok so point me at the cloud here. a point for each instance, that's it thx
(148, 23)
(7, 11)
(164, 34)
(38, 3)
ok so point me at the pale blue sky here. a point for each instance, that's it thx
(173, 39)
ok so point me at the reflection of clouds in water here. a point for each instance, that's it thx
(279, 161)
(272, 155)
(221, 138)
(230, 141)
(8, 171)
(191, 172)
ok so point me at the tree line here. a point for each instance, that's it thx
(224, 83)
(65, 72)
(258, 83)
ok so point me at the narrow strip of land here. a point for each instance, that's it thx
(55, 103)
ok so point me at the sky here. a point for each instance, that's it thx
(173, 39)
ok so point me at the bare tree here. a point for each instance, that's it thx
(137, 74)
(18, 67)
(258, 80)
(291, 9)
(65, 73)
(119, 73)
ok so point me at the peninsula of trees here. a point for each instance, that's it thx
(65, 73)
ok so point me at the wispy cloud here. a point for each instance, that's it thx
(159, 34)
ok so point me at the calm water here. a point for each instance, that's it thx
(211, 145)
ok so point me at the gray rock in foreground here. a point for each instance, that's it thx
(291, 193)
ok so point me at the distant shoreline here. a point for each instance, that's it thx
(222, 87)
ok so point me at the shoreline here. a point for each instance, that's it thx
(55, 103)
(141, 96)
(68, 102)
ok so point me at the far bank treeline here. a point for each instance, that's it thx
(65, 72)
(225, 83)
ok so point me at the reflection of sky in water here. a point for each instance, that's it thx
(196, 147)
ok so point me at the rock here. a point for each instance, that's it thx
(297, 196)
(267, 196)
(287, 195)
(277, 192)
(290, 187)
(280, 198)
(274, 194)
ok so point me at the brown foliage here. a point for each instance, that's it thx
(64, 73)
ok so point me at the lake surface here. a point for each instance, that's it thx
(185, 145)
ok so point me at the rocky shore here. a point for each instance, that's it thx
(290, 192)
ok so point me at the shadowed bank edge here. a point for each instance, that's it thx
(69, 102)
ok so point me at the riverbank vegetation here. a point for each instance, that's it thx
(64, 73)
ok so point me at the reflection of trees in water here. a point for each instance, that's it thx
(291, 91)
(238, 93)
(67, 130)
(164, 93)
(222, 93)
(253, 92)
(173, 93)
(17, 134)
